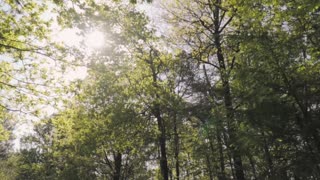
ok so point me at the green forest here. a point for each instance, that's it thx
(159, 90)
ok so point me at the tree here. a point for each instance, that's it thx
(205, 28)
(85, 140)
(281, 38)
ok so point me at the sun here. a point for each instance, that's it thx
(94, 39)
(71, 37)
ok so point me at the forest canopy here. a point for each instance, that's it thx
(164, 90)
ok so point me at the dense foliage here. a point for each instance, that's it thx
(230, 90)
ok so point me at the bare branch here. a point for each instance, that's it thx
(226, 24)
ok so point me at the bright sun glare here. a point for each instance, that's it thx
(71, 37)
(94, 39)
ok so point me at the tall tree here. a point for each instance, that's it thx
(205, 27)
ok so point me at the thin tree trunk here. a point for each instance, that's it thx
(176, 152)
(188, 163)
(222, 175)
(209, 166)
(231, 165)
(229, 153)
(268, 156)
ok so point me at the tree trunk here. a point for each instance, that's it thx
(117, 166)
(161, 125)
(268, 156)
(176, 150)
(222, 175)
(227, 93)
(209, 166)
(228, 100)
(162, 142)
(187, 168)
